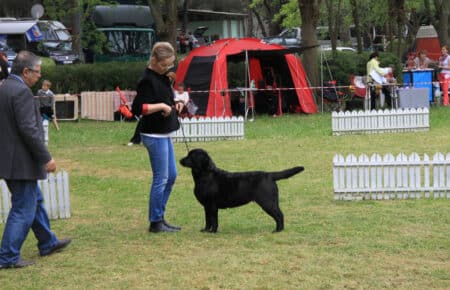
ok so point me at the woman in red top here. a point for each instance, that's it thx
(444, 75)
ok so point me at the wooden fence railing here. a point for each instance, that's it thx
(102, 105)
(391, 177)
(370, 122)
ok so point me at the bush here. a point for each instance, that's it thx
(76, 78)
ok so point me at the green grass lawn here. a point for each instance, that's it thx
(326, 244)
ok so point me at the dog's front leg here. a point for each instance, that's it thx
(214, 219)
(207, 219)
(210, 218)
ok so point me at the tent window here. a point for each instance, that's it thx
(198, 78)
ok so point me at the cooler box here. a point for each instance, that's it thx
(420, 79)
(413, 98)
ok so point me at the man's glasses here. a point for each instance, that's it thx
(34, 70)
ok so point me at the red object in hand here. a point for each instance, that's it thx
(123, 109)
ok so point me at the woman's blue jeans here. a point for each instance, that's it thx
(163, 164)
(27, 212)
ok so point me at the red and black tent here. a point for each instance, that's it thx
(205, 72)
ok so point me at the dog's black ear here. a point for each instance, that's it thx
(211, 164)
(206, 162)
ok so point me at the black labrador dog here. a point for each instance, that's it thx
(216, 188)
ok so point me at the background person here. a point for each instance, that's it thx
(181, 95)
(444, 75)
(47, 102)
(378, 76)
(3, 66)
(422, 61)
(24, 159)
(154, 101)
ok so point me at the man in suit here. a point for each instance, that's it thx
(24, 160)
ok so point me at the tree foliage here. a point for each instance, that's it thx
(289, 15)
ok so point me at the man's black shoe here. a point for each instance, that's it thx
(20, 264)
(59, 246)
(171, 226)
(157, 227)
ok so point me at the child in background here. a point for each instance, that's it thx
(46, 102)
(182, 96)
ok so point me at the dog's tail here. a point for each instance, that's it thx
(286, 173)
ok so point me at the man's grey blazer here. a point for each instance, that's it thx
(23, 154)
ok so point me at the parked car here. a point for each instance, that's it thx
(57, 42)
(290, 38)
(339, 48)
(60, 52)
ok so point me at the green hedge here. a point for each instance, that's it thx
(77, 78)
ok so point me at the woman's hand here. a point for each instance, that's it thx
(166, 109)
(179, 106)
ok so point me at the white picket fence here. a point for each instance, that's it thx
(389, 177)
(55, 190)
(45, 125)
(210, 129)
(389, 120)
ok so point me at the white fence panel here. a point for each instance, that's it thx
(6, 202)
(210, 129)
(381, 121)
(338, 174)
(391, 177)
(55, 191)
(45, 125)
(439, 177)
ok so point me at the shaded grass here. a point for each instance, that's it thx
(326, 243)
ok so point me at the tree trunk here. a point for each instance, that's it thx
(272, 7)
(400, 17)
(186, 6)
(442, 13)
(76, 28)
(260, 22)
(165, 30)
(249, 25)
(429, 14)
(332, 24)
(443, 22)
(309, 11)
(354, 4)
(171, 22)
(390, 24)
